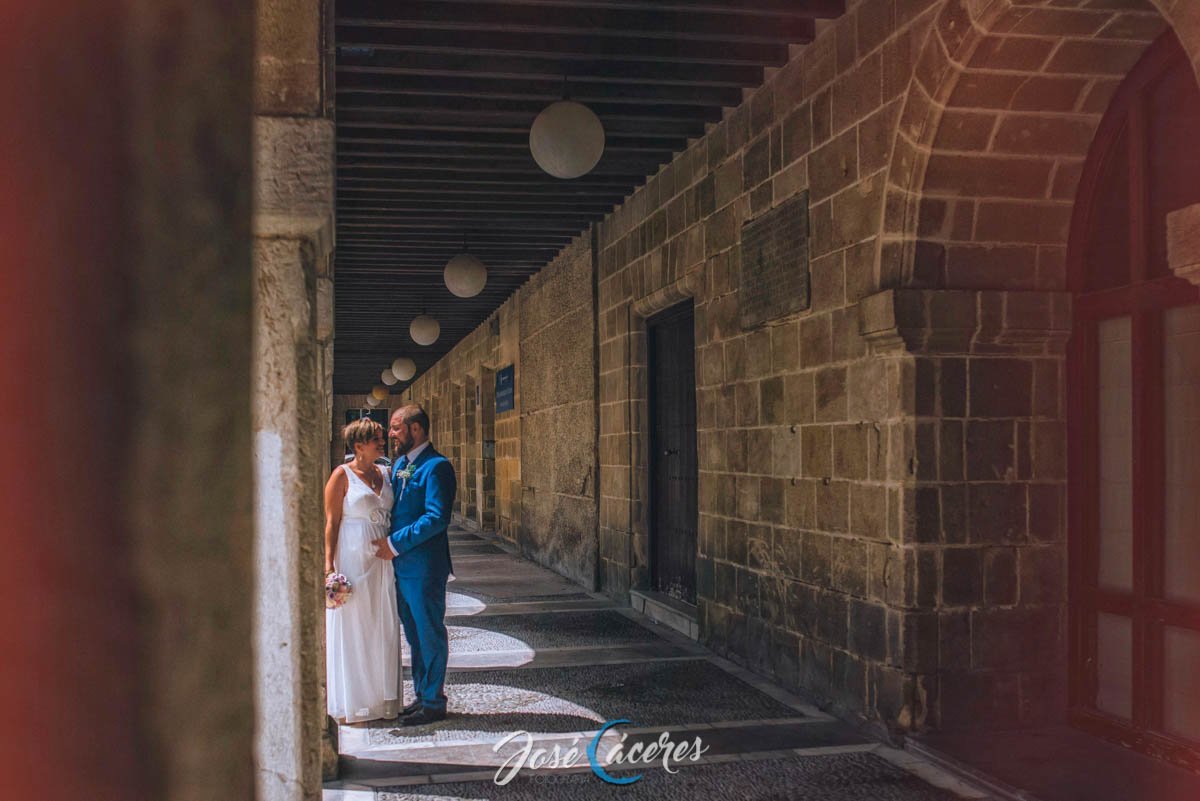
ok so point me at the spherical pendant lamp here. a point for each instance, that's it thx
(567, 139)
(379, 392)
(465, 275)
(388, 377)
(424, 330)
(404, 368)
(373, 401)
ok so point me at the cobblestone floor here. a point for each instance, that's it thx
(531, 652)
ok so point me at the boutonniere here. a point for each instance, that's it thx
(406, 473)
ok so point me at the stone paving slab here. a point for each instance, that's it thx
(832, 777)
(476, 547)
(467, 606)
(509, 589)
(543, 630)
(486, 705)
(406, 764)
(565, 657)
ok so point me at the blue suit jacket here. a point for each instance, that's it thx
(421, 517)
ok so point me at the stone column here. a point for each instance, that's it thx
(293, 241)
(125, 297)
(978, 626)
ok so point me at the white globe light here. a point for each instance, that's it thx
(424, 330)
(373, 401)
(379, 392)
(465, 275)
(388, 377)
(404, 368)
(566, 139)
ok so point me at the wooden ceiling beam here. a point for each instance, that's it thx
(511, 138)
(570, 47)
(578, 20)
(820, 9)
(677, 130)
(544, 90)
(434, 105)
(581, 73)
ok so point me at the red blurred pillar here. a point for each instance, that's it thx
(124, 328)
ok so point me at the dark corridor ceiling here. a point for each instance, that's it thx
(434, 103)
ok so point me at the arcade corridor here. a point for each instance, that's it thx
(855, 342)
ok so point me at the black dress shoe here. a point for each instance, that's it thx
(423, 716)
(413, 707)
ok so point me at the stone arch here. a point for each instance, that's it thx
(1003, 105)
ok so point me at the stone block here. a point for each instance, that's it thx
(991, 450)
(851, 451)
(997, 513)
(816, 344)
(830, 394)
(833, 166)
(833, 505)
(1016, 639)
(797, 133)
(1001, 388)
(868, 510)
(1043, 575)
(816, 558)
(816, 665)
(800, 504)
(772, 500)
(849, 566)
(1000, 576)
(857, 92)
(962, 576)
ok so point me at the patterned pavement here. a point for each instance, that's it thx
(537, 666)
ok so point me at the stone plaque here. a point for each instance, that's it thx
(774, 276)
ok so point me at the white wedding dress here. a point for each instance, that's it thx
(362, 636)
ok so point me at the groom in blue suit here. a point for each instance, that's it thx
(424, 486)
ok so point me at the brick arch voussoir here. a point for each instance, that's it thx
(997, 121)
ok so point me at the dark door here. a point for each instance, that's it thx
(673, 453)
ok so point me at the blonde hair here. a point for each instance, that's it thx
(362, 430)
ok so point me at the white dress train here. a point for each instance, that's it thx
(362, 637)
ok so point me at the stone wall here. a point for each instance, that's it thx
(543, 474)
(882, 476)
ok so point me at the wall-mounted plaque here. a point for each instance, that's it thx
(774, 279)
(505, 386)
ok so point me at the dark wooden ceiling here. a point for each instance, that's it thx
(434, 103)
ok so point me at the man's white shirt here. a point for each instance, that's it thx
(411, 456)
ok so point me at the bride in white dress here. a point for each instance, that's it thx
(362, 637)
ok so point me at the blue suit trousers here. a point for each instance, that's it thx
(422, 605)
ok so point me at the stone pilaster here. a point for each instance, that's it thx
(292, 397)
(293, 241)
(982, 536)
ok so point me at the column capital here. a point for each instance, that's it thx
(965, 321)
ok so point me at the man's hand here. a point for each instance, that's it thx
(382, 550)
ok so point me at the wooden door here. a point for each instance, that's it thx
(1135, 422)
(673, 477)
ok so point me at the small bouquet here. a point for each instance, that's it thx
(337, 590)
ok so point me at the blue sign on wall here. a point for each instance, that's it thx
(505, 399)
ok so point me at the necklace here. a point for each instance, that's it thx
(370, 477)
